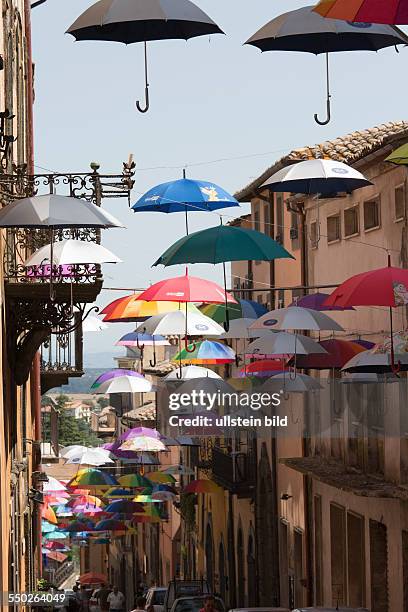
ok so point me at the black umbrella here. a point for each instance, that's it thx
(131, 21)
(305, 30)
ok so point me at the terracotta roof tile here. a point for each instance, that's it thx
(348, 149)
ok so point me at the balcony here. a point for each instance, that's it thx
(236, 472)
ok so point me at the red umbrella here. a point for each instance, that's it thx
(392, 12)
(92, 578)
(382, 287)
(186, 289)
(339, 352)
(263, 368)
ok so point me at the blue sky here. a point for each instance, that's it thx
(223, 110)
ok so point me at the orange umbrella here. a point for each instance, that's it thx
(202, 486)
(92, 578)
(48, 514)
(129, 308)
(393, 12)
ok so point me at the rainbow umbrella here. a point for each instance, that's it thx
(119, 493)
(160, 477)
(244, 309)
(131, 309)
(144, 499)
(202, 486)
(206, 352)
(114, 374)
(392, 12)
(85, 500)
(136, 481)
(139, 340)
(93, 478)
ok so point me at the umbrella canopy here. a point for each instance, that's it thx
(284, 343)
(367, 361)
(55, 211)
(317, 301)
(130, 308)
(116, 373)
(136, 432)
(80, 526)
(48, 514)
(399, 156)
(180, 323)
(202, 486)
(338, 353)
(223, 243)
(184, 195)
(365, 11)
(93, 324)
(119, 493)
(110, 525)
(305, 30)
(124, 506)
(160, 477)
(92, 578)
(125, 384)
(323, 176)
(381, 287)
(66, 252)
(139, 340)
(91, 477)
(364, 343)
(142, 443)
(186, 289)
(53, 485)
(191, 372)
(163, 496)
(243, 309)
(179, 470)
(262, 368)
(134, 480)
(90, 456)
(240, 328)
(206, 352)
(295, 317)
(301, 383)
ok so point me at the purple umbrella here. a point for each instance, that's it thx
(316, 301)
(114, 374)
(136, 432)
(365, 343)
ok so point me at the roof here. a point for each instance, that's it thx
(348, 149)
(239, 221)
(144, 413)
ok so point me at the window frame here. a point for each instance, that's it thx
(375, 198)
(333, 216)
(400, 186)
(356, 208)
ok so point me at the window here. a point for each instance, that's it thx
(333, 228)
(399, 202)
(279, 237)
(372, 214)
(267, 220)
(257, 221)
(313, 235)
(351, 221)
(294, 226)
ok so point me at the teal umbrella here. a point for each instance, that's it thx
(221, 244)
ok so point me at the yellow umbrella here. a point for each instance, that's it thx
(161, 478)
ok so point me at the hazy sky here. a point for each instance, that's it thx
(224, 110)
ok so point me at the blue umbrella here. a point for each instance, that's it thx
(184, 195)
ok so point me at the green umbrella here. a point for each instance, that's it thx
(221, 244)
(399, 156)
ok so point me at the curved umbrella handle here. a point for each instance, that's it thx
(328, 105)
(226, 323)
(147, 101)
(179, 374)
(154, 361)
(189, 350)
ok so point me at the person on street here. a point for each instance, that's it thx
(102, 597)
(116, 600)
(209, 604)
(84, 599)
(140, 605)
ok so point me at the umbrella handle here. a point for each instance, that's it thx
(154, 361)
(147, 102)
(328, 105)
(226, 323)
(189, 350)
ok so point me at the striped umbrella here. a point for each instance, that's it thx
(129, 308)
(206, 352)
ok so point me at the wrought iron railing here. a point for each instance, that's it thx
(234, 471)
(62, 352)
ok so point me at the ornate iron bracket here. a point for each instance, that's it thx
(5, 139)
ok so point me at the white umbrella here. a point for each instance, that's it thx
(163, 496)
(53, 485)
(284, 343)
(367, 361)
(142, 443)
(191, 372)
(180, 323)
(324, 176)
(300, 384)
(72, 449)
(240, 328)
(93, 324)
(296, 317)
(367, 378)
(71, 252)
(178, 470)
(89, 456)
(125, 384)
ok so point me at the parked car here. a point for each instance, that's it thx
(155, 599)
(194, 604)
(184, 588)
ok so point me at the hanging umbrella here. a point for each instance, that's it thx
(111, 374)
(130, 308)
(222, 244)
(179, 470)
(48, 513)
(53, 485)
(262, 368)
(125, 384)
(301, 383)
(240, 329)
(110, 525)
(191, 372)
(142, 21)
(187, 289)
(163, 496)
(80, 526)
(144, 499)
(66, 252)
(381, 287)
(365, 11)
(243, 309)
(179, 323)
(364, 343)
(56, 535)
(305, 30)
(160, 477)
(185, 195)
(85, 500)
(134, 480)
(296, 318)
(136, 432)
(206, 352)
(338, 353)
(93, 324)
(143, 443)
(124, 506)
(367, 361)
(93, 478)
(202, 486)
(399, 156)
(317, 301)
(72, 448)
(284, 343)
(90, 456)
(319, 176)
(92, 578)
(137, 339)
(101, 541)
(119, 493)
(368, 378)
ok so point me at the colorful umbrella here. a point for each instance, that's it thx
(124, 506)
(110, 525)
(93, 478)
(187, 289)
(400, 155)
(191, 372)
(143, 498)
(56, 535)
(244, 309)
(365, 11)
(92, 578)
(130, 308)
(262, 368)
(338, 353)
(125, 384)
(206, 352)
(135, 432)
(47, 527)
(48, 514)
(135, 480)
(202, 486)
(143, 443)
(160, 477)
(86, 500)
(111, 374)
(184, 195)
(119, 493)
(179, 470)
(317, 301)
(140, 340)
(79, 526)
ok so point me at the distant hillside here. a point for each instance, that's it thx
(103, 359)
(80, 385)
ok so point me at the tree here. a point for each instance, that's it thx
(103, 402)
